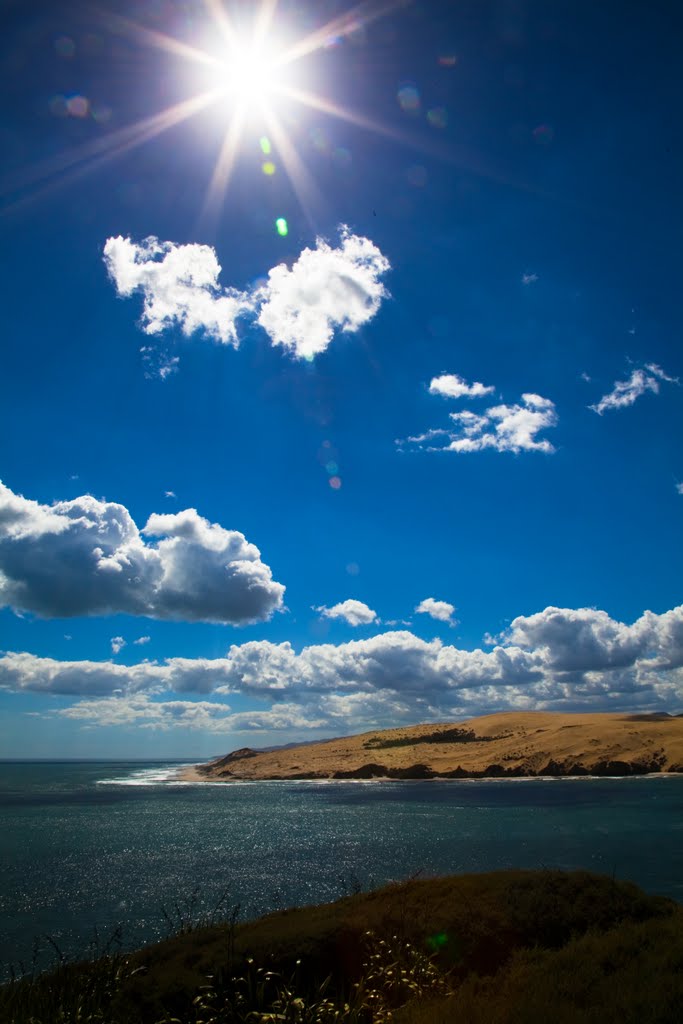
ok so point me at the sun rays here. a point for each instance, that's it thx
(246, 73)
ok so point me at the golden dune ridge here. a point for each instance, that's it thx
(514, 744)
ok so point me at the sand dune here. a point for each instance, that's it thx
(508, 744)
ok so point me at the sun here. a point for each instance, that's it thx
(250, 75)
(249, 68)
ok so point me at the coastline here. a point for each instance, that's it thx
(507, 745)
(191, 776)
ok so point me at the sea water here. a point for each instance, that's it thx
(97, 845)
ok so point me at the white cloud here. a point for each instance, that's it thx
(355, 613)
(204, 716)
(440, 610)
(117, 644)
(158, 363)
(140, 710)
(325, 289)
(529, 278)
(26, 672)
(514, 427)
(142, 640)
(582, 639)
(452, 386)
(88, 557)
(625, 392)
(179, 284)
(170, 494)
(679, 488)
(559, 659)
(505, 428)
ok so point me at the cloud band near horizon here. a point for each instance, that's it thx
(557, 659)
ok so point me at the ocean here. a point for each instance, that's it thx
(89, 845)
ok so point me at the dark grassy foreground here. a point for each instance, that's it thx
(518, 947)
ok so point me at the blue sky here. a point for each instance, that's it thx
(474, 194)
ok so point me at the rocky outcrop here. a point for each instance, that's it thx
(624, 767)
(223, 765)
(365, 771)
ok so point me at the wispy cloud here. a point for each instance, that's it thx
(354, 613)
(140, 710)
(117, 644)
(625, 392)
(327, 289)
(88, 557)
(142, 640)
(452, 386)
(442, 611)
(158, 363)
(529, 278)
(201, 715)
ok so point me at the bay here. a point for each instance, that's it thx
(85, 845)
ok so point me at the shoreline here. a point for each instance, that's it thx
(193, 777)
(498, 746)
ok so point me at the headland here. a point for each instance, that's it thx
(507, 745)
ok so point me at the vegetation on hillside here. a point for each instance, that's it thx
(515, 947)
(453, 735)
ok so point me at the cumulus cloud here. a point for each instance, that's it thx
(440, 610)
(179, 285)
(504, 428)
(452, 386)
(142, 640)
(514, 427)
(625, 392)
(88, 557)
(355, 613)
(117, 644)
(21, 671)
(326, 289)
(559, 658)
(582, 639)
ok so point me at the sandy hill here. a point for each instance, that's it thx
(508, 744)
